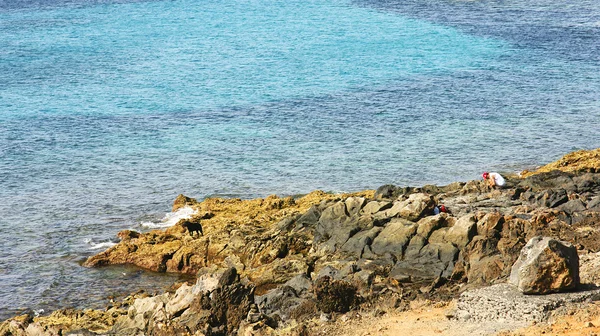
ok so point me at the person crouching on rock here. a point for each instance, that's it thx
(439, 209)
(494, 179)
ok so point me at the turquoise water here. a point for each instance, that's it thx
(108, 110)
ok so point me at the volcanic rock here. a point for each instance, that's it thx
(546, 265)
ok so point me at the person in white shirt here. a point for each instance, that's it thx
(494, 179)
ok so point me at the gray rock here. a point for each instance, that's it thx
(546, 265)
(439, 236)
(287, 223)
(281, 301)
(431, 262)
(394, 237)
(376, 206)
(429, 224)
(572, 206)
(329, 271)
(146, 310)
(389, 191)
(309, 218)
(301, 284)
(182, 300)
(461, 233)
(335, 226)
(413, 208)
(552, 198)
(356, 243)
(594, 204)
(208, 280)
(414, 246)
(363, 279)
(34, 329)
(354, 205)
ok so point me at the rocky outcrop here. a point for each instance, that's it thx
(546, 265)
(582, 160)
(295, 258)
(216, 305)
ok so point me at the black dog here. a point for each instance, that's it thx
(191, 227)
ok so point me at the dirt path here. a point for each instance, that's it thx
(431, 319)
(423, 319)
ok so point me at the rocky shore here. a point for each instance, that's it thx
(301, 265)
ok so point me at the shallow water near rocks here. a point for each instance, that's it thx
(109, 109)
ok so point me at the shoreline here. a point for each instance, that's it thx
(363, 242)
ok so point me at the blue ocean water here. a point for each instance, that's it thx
(109, 109)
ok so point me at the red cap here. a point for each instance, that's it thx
(485, 175)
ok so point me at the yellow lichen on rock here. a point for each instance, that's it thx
(239, 230)
(582, 160)
(263, 212)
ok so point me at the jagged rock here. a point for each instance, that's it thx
(275, 242)
(439, 236)
(182, 300)
(431, 261)
(461, 233)
(259, 328)
(546, 265)
(483, 260)
(363, 279)
(335, 226)
(594, 204)
(356, 244)
(278, 272)
(15, 326)
(389, 191)
(490, 224)
(128, 234)
(301, 284)
(35, 329)
(354, 205)
(429, 224)
(309, 218)
(376, 206)
(229, 305)
(414, 246)
(552, 198)
(413, 208)
(394, 237)
(503, 302)
(288, 223)
(189, 257)
(182, 201)
(280, 301)
(328, 271)
(573, 206)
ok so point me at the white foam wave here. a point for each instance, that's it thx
(96, 246)
(171, 218)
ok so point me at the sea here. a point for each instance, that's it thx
(111, 108)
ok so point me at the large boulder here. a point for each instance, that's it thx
(546, 265)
